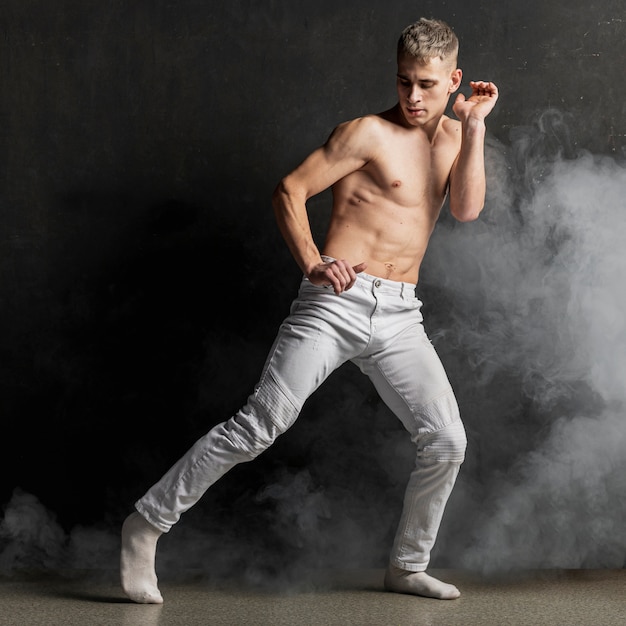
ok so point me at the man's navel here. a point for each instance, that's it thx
(390, 267)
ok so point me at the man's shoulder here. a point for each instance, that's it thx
(359, 132)
(371, 122)
(371, 127)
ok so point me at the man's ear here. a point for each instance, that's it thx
(455, 80)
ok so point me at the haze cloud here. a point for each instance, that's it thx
(538, 301)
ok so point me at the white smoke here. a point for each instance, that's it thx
(31, 539)
(539, 298)
(30, 535)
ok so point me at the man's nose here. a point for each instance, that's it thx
(415, 95)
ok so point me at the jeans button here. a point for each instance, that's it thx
(377, 283)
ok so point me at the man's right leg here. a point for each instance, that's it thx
(308, 348)
(267, 414)
(240, 439)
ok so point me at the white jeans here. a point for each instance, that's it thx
(378, 326)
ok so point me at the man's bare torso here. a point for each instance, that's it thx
(384, 212)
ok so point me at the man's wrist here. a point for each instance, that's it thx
(474, 124)
(474, 128)
(309, 268)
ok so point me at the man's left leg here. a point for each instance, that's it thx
(438, 459)
(411, 380)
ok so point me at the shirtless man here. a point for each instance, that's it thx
(390, 174)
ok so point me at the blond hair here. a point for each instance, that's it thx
(427, 39)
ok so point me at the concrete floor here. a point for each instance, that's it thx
(546, 598)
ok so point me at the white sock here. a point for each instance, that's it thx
(137, 562)
(419, 584)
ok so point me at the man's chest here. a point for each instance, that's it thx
(408, 174)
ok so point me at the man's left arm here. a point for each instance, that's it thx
(467, 177)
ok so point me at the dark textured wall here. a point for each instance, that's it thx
(142, 278)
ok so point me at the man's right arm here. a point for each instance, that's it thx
(343, 153)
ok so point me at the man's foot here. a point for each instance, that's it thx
(137, 569)
(419, 584)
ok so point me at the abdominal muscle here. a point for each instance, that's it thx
(389, 238)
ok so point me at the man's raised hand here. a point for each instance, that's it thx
(479, 104)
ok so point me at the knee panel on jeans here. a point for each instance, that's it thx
(267, 414)
(446, 444)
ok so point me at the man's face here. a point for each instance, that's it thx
(424, 89)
